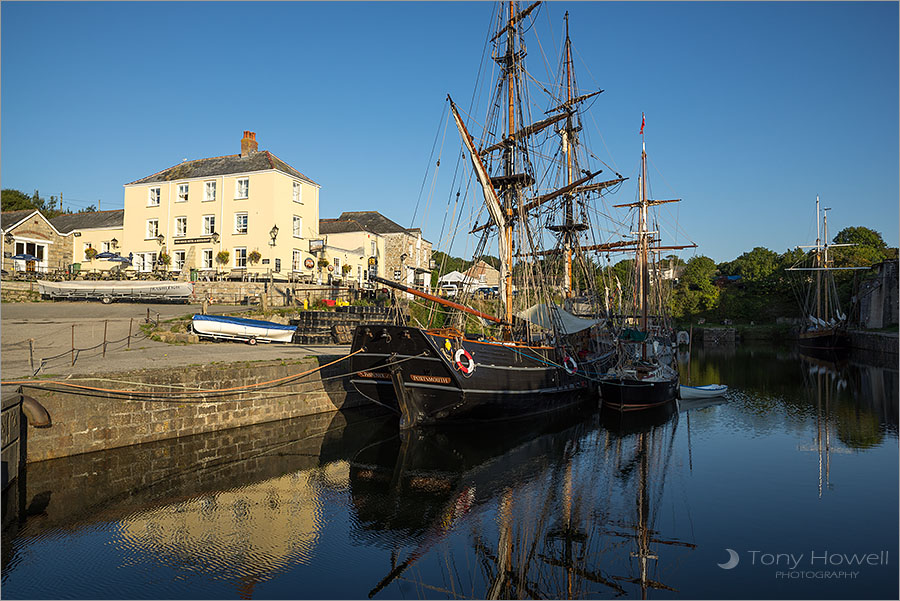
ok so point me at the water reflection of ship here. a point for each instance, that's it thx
(824, 379)
(552, 539)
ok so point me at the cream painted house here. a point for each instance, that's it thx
(403, 255)
(349, 243)
(240, 203)
(100, 230)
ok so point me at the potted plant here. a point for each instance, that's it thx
(164, 259)
(222, 257)
(254, 257)
(90, 253)
(323, 262)
(346, 269)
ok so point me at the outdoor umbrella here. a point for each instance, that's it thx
(119, 259)
(105, 255)
(24, 257)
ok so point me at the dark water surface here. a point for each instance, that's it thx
(796, 471)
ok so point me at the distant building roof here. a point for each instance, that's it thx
(341, 226)
(373, 221)
(9, 219)
(89, 220)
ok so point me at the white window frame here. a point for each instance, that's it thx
(337, 264)
(237, 220)
(182, 193)
(297, 226)
(240, 257)
(298, 193)
(297, 260)
(153, 196)
(206, 258)
(209, 225)
(178, 257)
(181, 231)
(105, 247)
(242, 192)
(206, 189)
(151, 234)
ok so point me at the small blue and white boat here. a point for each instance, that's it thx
(709, 391)
(250, 331)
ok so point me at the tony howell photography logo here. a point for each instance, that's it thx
(811, 564)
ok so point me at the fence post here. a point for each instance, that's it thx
(73, 344)
(105, 325)
(31, 353)
(130, 323)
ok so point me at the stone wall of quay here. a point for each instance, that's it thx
(94, 420)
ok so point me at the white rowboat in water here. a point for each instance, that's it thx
(703, 392)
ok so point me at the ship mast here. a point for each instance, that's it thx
(511, 194)
(567, 143)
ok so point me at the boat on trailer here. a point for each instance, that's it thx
(251, 331)
(109, 291)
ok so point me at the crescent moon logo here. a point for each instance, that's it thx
(733, 560)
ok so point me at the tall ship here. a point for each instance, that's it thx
(645, 374)
(825, 329)
(522, 353)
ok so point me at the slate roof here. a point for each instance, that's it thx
(11, 218)
(373, 221)
(89, 220)
(226, 165)
(341, 226)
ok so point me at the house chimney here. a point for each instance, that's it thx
(248, 143)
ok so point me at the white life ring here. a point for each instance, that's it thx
(569, 365)
(469, 366)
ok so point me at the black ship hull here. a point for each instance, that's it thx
(824, 343)
(632, 394)
(432, 377)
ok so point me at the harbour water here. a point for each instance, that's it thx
(790, 482)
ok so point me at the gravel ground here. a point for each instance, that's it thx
(49, 324)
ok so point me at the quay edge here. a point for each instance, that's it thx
(89, 421)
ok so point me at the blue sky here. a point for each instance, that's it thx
(752, 108)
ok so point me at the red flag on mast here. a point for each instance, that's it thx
(643, 120)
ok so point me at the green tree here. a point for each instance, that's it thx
(16, 200)
(695, 294)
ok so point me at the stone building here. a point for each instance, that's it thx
(407, 255)
(878, 297)
(28, 232)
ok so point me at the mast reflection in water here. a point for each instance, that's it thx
(800, 458)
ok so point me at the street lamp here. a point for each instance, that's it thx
(273, 233)
(160, 239)
(8, 238)
(114, 244)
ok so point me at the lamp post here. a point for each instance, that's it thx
(114, 244)
(273, 233)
